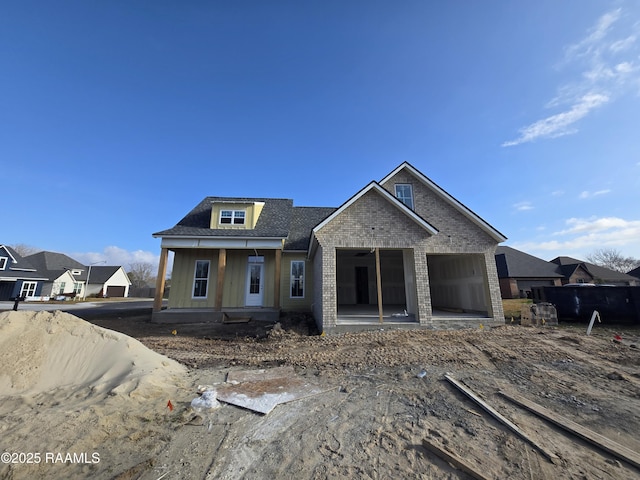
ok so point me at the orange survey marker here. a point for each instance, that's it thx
(170, 406)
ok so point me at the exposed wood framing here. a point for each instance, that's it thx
(379, 284)
(222, 265)
(276, 286)
(160, 280)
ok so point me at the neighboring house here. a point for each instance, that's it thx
(635, 272)
(18, 277)
(68, 277)
(65, 276)
(108, 281)
(401, 251)
(519, 271)
(577, 271)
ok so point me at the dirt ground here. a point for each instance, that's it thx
(385, 394)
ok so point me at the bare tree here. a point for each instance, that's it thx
(25, 250)
(612, 259)
(141, 274)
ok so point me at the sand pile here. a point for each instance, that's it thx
(45, 351)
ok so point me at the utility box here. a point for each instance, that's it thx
(538, 314)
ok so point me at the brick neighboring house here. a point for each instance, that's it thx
(577, 271)
(400, 252)
(519, 271)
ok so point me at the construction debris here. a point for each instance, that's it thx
(469, 393)
(590, 436)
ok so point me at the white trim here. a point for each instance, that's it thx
(3, 262)
(222, 242)
(495, 234)
(195, 271)
(388, 196)
(395, 190)
(304, 273)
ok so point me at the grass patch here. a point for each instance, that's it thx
(513, 306)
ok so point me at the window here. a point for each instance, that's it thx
(28, 289)
(3, 263)
(297, 279)
(62, 285)
(201, 279)
(232, 217)
(77, 288)
(404, 193)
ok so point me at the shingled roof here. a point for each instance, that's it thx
(512, 263)
(274, 220)
(54, 264)
(598, 273)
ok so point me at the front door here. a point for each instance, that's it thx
(255, 282)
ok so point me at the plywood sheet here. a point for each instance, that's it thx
(262, 390)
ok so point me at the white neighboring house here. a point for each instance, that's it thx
(108, 281)
(65, 276)
(68, 277)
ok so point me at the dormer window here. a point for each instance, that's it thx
(404, 193)
(232, 217)
(3, 263)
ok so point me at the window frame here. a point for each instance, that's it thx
(237, 217)
(402, 198)
(198, 281)
(300, 279)
(3, 262)
(28, 286)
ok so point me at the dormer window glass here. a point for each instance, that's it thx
(404, 193)
(232, 217)
(3, 263)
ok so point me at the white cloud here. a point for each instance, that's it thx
(523, 206)
(583, 236)
(557, 193)
(558, 125)
(114, 255)
(604, 77)
(587, 194)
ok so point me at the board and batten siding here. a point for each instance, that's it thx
(295, 304)
(184, 263)
(235, 278)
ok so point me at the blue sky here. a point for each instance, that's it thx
(118, 117)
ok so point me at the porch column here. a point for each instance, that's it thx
(379, 284)
(276, 285)
(160, 279)
(222, 264)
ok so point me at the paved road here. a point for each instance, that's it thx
(87, 309)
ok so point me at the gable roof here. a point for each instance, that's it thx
(635, 272)
(597, 272)
(53, 264)
(102, 273)
(18, 267)
(273, 222)
(375, 186)
(512, 263)
(473, 217)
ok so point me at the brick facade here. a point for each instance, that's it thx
(373, 221)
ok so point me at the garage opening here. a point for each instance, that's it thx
(458, 285)
(357, 286)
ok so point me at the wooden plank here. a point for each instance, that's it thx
(379, 284)
(452, 459)
(276, 284)
(608, 445)
(160, 280)
(514, 428)
(222, 264)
